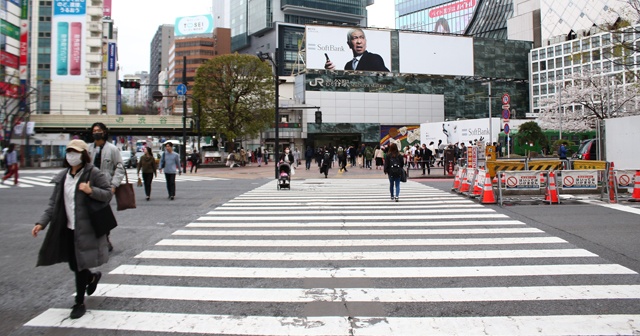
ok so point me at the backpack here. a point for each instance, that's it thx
(395, 169)
(326, 160)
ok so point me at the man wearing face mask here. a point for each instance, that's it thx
(106, 157)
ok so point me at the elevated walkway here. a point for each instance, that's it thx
(118, 124)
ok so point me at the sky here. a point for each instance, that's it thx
(137, 22)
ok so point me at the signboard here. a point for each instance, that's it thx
(181, 89)
(626, 178)
(506, 99)
(8, 59)
(506, 114)
(525, 180)
(506, 129)
(9, 29)
(334, 44)
(472, 157)
(447, 55)
(111, 57)
(68, 41)
(106, 8)
(579, 180)
(451, 132)
(193, 25)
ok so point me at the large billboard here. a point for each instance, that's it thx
(452, 132)
(335, 48)
(68, 41)
(431, 54)
(193, 25)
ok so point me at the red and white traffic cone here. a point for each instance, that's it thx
(635, 196)
(488, 196)
(612, 185)
(464, 187)
(551, 192)
(478, 184)
(456, 180)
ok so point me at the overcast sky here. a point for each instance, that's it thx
(138, 21)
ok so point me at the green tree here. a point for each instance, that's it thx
(530, 132)
(237, 95)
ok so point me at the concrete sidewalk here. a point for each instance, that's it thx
(268, 171)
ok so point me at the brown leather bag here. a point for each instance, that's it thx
(125, 197)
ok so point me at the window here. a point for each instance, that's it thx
(558, 50)
(543, 89)
(585, 44)
(94, 96)
(559, 62)
(536, 79)
(536, 90)
(534, 55)
(550, 64)
(543, 54)
(534, 67)
(543, 65)
(567, 48)
(44, 19)
(543, 77)
(595, 55)
(550, 52)
(595, 41)
(559, 74)
(552, 76)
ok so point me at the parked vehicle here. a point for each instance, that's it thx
(587, 151)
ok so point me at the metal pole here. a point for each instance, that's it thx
(490, 123)
(560, 112)
(183, 150)
(276, 156)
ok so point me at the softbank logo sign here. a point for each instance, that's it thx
(316, 82)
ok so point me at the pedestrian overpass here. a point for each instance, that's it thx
(121, 125)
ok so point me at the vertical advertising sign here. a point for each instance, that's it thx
(24, 40)
(68, 41)
(106, 8)
(111, 61)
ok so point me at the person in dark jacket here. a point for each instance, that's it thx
(195, 161)
(393, 164)
(308, 156)
(70, 237)
(149, 170)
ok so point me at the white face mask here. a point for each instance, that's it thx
(74, 158)
(286, 151)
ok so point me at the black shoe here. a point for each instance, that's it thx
(148, 198)
(91, 288)
(171, 198)
(397, 199)
(392, 198)
(77, 311)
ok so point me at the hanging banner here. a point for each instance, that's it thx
(525, 180)
(579, 180)
(18, 128)
(31, 128)
(111, 62)
(68, 41)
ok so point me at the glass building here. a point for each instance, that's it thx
(482, 18)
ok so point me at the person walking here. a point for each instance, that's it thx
(393, 168)
(308, 156)
(258, 154)
(149, 170)
(195, 161)
(368, 156)
(106, 157)
(70, 236)
(11, 158)
(170, 162)
(325, 164)
(379, 157)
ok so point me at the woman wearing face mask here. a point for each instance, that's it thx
(71, 237)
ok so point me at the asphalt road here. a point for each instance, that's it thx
(28, 292)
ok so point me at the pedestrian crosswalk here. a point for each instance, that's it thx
(337, 257)
(30, 181)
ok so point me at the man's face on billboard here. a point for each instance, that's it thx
(358, 42)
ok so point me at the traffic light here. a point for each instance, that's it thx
(127, 84)
(318, 117)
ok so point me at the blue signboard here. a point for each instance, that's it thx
(181, 89)
(70, 7)
(111, 63)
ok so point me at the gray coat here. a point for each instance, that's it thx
(90, 251)
(110, 162)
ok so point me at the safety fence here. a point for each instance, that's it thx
(546, 186)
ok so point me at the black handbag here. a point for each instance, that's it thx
(100, 215)
(403, 177)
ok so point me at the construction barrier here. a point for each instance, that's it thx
(588, 165)
(538, 164)
(499, 165)
(523, 182)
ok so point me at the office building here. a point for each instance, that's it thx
(159, 54)
(73, 59)
(221, 13)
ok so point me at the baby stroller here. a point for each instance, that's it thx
(284, 176)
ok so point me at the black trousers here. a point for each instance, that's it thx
(426, 164)
(171, 183)
(147, 178)
(194, 164)
(82, 276)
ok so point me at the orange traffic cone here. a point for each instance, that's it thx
(488, 196)
(478, 184)
(635, 196)
(551, 192)
(464, 187)
(456, 180)
(613, 199)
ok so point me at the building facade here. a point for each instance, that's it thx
(159, 54)
(10, 63)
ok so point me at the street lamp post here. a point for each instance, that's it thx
(490, 123)
(274, 61)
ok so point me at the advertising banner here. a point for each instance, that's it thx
(472, 157)
(31, 126)
(8, 59)
(452, 132)
(106, 8)
(68, 41)
(335, 48)
(193, 25)
(111, 62)
(436, 54)
(523, 180)
(9, 29)
(579, 179)
(9, 90)
(24, 39)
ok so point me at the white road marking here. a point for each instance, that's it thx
(354, 224)
(403, 232)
